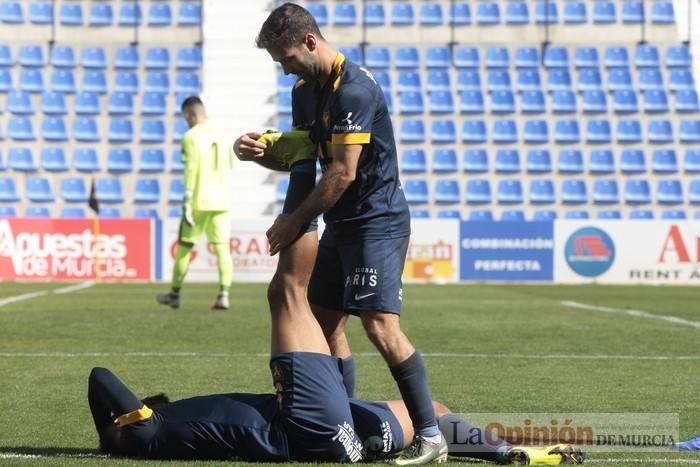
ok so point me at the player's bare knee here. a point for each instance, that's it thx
(282, 290)
(376, 329)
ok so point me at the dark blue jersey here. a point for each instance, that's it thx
(350, 109)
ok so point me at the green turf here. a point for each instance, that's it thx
(43, 407)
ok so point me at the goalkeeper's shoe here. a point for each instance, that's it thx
(689, 445)
(170, 298)
(421, 451)
(284, 149)
(221, 302)
(548, 455)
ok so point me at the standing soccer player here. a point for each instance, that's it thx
(208, 161)
(362, 251)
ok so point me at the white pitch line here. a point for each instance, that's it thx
(635, 313)
(661, 461)
(73, 288)
(20, 455)
(24, 296)
(359, 354)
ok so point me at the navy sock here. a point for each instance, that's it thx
(348, 366)
(466, 440)
(413, 384)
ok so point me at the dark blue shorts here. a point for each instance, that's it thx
(377, 427)
(314, 408)
(302, 181)
(360, 276)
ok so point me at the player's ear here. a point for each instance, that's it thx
(310, 41)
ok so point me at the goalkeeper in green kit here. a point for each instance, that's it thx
(208, 160)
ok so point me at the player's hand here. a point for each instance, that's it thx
(248, 147)
(187, 212)
(283, 232)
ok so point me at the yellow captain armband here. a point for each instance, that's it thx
(144, 413)
(284, 149)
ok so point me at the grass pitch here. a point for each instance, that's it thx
(492, 348)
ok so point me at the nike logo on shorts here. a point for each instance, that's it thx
(362, 297)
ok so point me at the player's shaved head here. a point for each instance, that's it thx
(286, 27)
(193, 110)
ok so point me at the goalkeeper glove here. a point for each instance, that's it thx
(284, 149)
(187, 209)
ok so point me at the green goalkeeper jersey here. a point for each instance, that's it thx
(208, 160)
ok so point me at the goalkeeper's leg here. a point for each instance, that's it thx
(223, 261)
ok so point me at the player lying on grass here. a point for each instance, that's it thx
(256, 427)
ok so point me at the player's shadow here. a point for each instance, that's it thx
(49, 451)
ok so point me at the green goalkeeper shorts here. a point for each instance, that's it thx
(215, 224)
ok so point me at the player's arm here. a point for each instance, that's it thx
(189, 160)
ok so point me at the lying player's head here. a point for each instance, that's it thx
(291, 36)
(193, 110)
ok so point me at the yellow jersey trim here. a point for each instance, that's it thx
(351, 138)
(337, 66)
(144, 413)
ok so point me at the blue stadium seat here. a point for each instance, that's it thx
(504, 132)
(637, 191)
(6, 81)
(414, 161)
(438, 80)
(498, 80)
(460, 14)
(438, 57)
(280, 192)
(632, 161)
(575, 12)
(564, 102)
(86, 160)
(445, 161)
(21, 129)
(94, 58)
(152, 131)
(605, 191)
(53, 159)
(110, 212)
(689, 132)
(38, 190)
(175, 212)
(74, 190)
(72, 212)
(528, 80)
(130, 14)
(31, 80)
(691, 161)
(536, 132)
(488, 13)
(664, 161)
(85, 130)
(187, 82)
(647, 56)
(283, 124)
(567, 132)
(37, 212)
(678, 56)
(54, 129)
(641, 214)
(625, 102)
(471, 102)
(160, 80)
(189, 14)
(546, 12)
(109, 190)
(153, 103)
(53, 103)
(180, 126)
(527, 57)
(146, 213)
(517, 13)
(468, 80)
(284, 103)
(656, 101)
(31, 56)
(650, 79)
(383, 79)
(146, 191)
(497, 57)
(11, 12)
(539, 161)
(478, 191)
(558, 80)
(509, 191)
(694, 193)
(71, 14)
(419, 213)
(126, 81)
(604, 12)
(63, 56)
(449, 214)
(410, 103)
(673, 214)
(544, 215)
(532, 102)
(609, 214)
(480, 215)
(589, 79)
(120, 103)
(598, 132)
(512, 215)
(87, 103)
(412, 131)
(41, 13)
(446, 192)
(507, 161)
(595, 102)
(476, 161)
(120, 130)
(601, 161)
(176, 165)
(573, 191)
(620, 79)
(21, 160)
(616, 57)
(443, 132)
(687, 101)
(176, 191)
(466, 57)
(375, 57)
(416, 191)
(556, 57)
(19, 103)
(502, 102)
(586, 57)
(6, 59)
(406, 57)
(669, 192)
(126, 58)
(8, 190)
(474, 131)
(576, 214)
(629, 131)
(632, 12)
(570, 161)
(373, 14)
(101, 15)
(352, 53)
(660, 132)
(157, 58)
(344, 14)
(319, 12)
